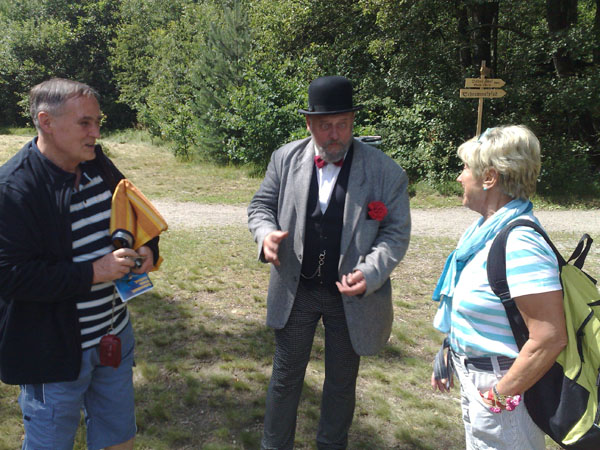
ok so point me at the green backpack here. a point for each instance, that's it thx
(564, 402)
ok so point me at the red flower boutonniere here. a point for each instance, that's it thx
(377, 211)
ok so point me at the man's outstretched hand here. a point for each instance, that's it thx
(271, 246)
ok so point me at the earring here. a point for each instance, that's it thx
(485, 189)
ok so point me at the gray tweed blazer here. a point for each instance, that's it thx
(373, 247)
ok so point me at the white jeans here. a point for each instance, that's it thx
(508, 430)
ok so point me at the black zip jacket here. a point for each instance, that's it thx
(40, 338)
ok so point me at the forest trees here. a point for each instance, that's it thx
(57, 38)
(223, 80)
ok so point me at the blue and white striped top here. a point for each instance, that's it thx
(90, 223)
(479, 326)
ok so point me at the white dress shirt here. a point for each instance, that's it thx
(326, 177)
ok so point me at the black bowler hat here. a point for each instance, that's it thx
(330, 95)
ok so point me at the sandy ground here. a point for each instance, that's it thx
(449, 222)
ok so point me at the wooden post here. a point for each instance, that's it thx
(482, 88)
(484, 71)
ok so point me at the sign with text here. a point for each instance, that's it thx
(482, 93)
(482, 88)
(484, 83)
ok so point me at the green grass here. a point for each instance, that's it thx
(150, 165)
(17, 131)
(204, 354)
(204, 358)
(159, 174)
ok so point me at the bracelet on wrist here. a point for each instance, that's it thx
(499, 398)
(500, 402)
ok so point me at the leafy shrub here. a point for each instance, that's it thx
(263, 116)
(422, 138)
(566, 169)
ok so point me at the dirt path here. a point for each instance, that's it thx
(449, 222)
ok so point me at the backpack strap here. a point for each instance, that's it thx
(496, 271)
(581, 251)
(442, 364)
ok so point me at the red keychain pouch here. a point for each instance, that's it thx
(110, 350)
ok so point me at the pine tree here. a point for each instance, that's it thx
(217, 73)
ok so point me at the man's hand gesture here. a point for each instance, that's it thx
(352, 284)
(271, 246)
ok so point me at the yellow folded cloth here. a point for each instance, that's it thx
(134, 220)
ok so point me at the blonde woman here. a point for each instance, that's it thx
(500, 171)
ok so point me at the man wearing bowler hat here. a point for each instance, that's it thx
(332, 217)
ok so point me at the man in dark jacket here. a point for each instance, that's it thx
(57, 267)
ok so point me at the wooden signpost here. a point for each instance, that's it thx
(482, 88)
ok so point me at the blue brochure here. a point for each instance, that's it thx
(132, 285)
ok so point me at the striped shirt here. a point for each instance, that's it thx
(479, 324)
(90, 222)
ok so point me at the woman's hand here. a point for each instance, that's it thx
(488, 398)
(498, 403)
(443, 385)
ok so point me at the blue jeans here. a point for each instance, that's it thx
(52, 411)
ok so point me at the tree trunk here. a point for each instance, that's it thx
(597, 34)
(494, 49)
(561, 15)
(484, 17)
(464, 52)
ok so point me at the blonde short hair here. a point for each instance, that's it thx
(513, 150)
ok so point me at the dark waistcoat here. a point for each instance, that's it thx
(324, 230)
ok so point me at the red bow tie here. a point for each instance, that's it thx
(320, 162)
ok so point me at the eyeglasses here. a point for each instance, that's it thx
(484, 134)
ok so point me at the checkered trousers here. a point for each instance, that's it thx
(292, 353)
